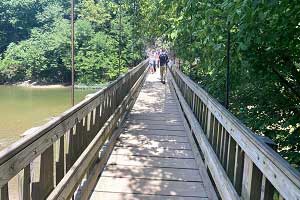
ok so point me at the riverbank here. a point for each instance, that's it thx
(36, 85)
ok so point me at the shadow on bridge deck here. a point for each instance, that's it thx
(153, 158)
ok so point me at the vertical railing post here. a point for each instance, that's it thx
(60, 164)
(4, 192)
(45, 184)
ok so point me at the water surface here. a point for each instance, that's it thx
(23, 108)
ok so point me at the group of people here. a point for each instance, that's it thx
(159, 60)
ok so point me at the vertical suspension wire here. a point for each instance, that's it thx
(191, 38)
(120, 36)
(134, 35)
(228, 67)
(72, 51)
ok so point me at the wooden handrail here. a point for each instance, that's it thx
(254, 169)
(72, 132)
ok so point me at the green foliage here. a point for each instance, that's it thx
(42, 52)
(265, 65)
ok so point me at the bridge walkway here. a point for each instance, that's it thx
(153, 157)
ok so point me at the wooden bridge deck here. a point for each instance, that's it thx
(153, 158)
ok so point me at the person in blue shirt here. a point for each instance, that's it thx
(163, 60)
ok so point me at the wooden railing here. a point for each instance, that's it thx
(240, 164)
(61, 159)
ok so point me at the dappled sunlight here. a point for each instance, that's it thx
(152, 158)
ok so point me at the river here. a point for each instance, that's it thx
(22, 108)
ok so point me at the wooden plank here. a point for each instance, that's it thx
(155, 127)
(4, 192)
(153, 152)
(225, 149)
(154, 115)
(158, 138)
(97, 126)
(26, 183)
(138, 172)
(219, 137)
(215, 134)
(220, 150)
(81, 130)
(231, 159)
(268, 190)
(154, 118)
(144, 186)
(256, 184)
(42, 188)
(168, 122)
(70, 155)
(152, 161)
(238, 169)
(60, 164)
(159, 109)
(159, 132)
(205, 119)
(153, 144)
(118, 196)
(247, 178)
(209, 125)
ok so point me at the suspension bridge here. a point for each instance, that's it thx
(141, 139)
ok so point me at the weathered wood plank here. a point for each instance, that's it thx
(256, 184)
(138, 172)
(168, 122)
(144, 186)
(153, 152)
(154, 115)
(159, 132)
(150, 144)
(45, 184)
(117, 196)
(148, 137)
(26, 183)
(60, 164)
(231, 159)
(247, 178)
(154, 118)
(238, 169)
(4, 192)
(155, 127)
(152, 161)
(268, 190)
(70, 155)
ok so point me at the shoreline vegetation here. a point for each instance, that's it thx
(36, 85)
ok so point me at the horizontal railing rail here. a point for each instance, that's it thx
(240, 164)
(55, 158)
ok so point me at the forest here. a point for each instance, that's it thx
(35, 40)
(264, 50)
(264, 59)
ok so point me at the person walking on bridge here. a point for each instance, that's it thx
(163, 60)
